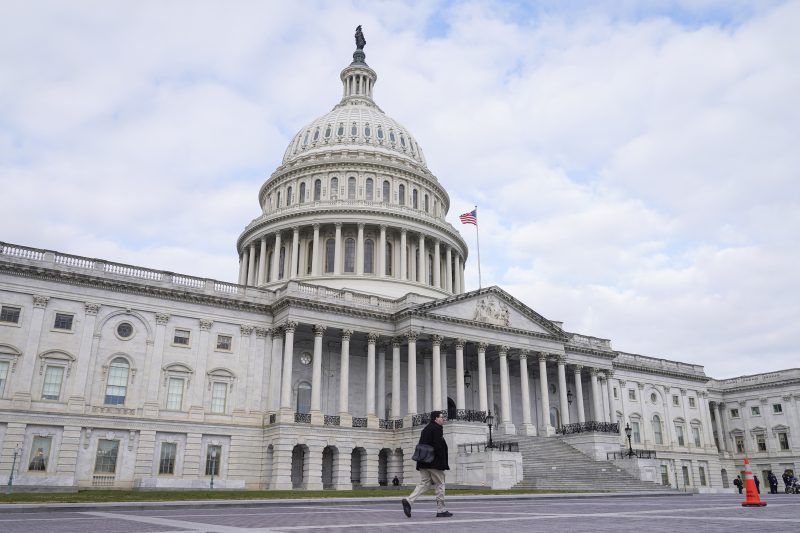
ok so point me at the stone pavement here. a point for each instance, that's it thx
(595, 513)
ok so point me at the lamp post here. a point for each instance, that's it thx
(10, 487)
(628, 434)
(489, 422)
(467, 378)
(213, 464)
(569, 397)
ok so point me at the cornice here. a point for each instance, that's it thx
(657, 371)
(290, 302)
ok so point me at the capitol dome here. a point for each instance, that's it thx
(353, 205)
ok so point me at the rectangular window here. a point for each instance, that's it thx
(691, 402)
(616, 394)
(664, 475)
(632, 394)
(739, 444)
(40, 454)
(63, 321)
(761, 440)
(679, 434)
(219, 392)
(181, 337)
(175, 394)
(696, 436)
(51, 390)
(637, 437)
(224, 342)
(676, 400)
(686, 480)
(3, 376)
(734, 413)
(783, 441)
(213, 458)
(777, 408)
(166, 464)
(117, 385)
(702, 472)
(10, 314)
(755, 411)
(106, 460)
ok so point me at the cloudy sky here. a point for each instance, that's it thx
(635, 164)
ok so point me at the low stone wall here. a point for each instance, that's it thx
(493, 469)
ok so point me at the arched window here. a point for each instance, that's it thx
(426, 203)
(278, 199)
(401, 195)
(388, 259)
(368, 189)
(387, 192)
(657, 434)
(304, 397)
(316, 135)
(117, 383)
(317, 190)
(350, 255)
(309, 256)
(330, 252)
(334, 192)
(351, 188)
(414, 199)
(288, 196)
(302, 197)
(380, 132)
(369, 252)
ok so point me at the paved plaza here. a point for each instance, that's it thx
(706, 513)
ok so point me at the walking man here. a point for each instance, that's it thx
(738, 483)
(432, 474)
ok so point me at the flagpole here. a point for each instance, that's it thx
(478, 238)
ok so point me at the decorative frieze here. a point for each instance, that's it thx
(91, 308)
(40, 301)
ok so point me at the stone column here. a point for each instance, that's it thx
(77, 392)
(524, 381)
(597, 411)
(436, 364)
(668, 416)
(262, 262)
(382, 252)
(687, 426)
(313, 466)
(708, 430)
(562, 389)
(647, 427)
(412, 372)
(395, 408)
(153, 378)
(427, 405)
(546, 429)
(264, 339)
(490, 393)
(422, 267)
(482, 397)
(360, 250)
(437, 265)
(612, 412)
(316, 376)
(197, 404)
(295, 253)
(723, 445)
(372, 338)
(316, 254)
(381, 390)
(403, 255)
(460, 399)
(337, 252)
(251, 265)
(458, 288)
(443, 374)
(344, 378)
(276, 257)
(505, 395)
(579, 394)
(243, 267)
(276, 369)
(288, 355)
(448, 271)
(461, 275)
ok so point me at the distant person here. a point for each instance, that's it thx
(432, 473)
(758, 483)
(773, 482)
(738, 483)
(786, 480)
(395, 482)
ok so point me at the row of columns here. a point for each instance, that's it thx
(253, 268)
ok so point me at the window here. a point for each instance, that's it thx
(181, 337)
(309, 257)
(302, 198)
(224, 342)
(679, 435)
(278, 199)
(369, 253)
(3, 376)
(328, 132)
(106, 460)
(369, 189)
(632, 394)
(635, 433)
(387, 194)
(657, 434)
(354, 127)
(213, 458)
(401, 195)
(777, 408)
(426, 203)
(10, 314)
(305, 139)
(414, 198)
(175, 394)
(739, 444)
(53, 375)
(317, 190)
(702, 472)
(340, 130)
(219, 393)
(653, 397)
(351, 188)
(392, 138)
(166, 463)
(692, 401)
(124, 330)
(783, 441)
(755, 411)
(686, 480)
(334, 192)
(330, 254)
(388, 259)
(761, 441)
(430, 270)
(676, 400)
(349, 255)
(40, 454)
(734, 413)
(117, 384)
(664, 475)
(303, 397)
(380, 132)
(288, 196)
(316, 135)
(696, 436)
(63, 321)
(282, 262)
(616, 394)
(367, 131)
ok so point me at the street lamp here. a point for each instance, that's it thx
(628, 432)
(489, 422)
(569, 396)
(10, 487)
(213, 464)
(467, 378)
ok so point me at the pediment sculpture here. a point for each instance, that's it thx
(490, 311)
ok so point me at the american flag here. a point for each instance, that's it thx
(470, 218)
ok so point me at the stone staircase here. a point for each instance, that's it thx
(550, 463)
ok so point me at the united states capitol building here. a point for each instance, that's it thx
(350, 320)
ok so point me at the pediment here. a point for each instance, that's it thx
(491, 306)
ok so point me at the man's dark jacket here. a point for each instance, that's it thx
(433, 435)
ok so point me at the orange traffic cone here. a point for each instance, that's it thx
(752, 499)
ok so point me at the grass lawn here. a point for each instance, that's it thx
(92, 496)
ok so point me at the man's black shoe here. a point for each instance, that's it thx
(406, 508)
(443, 514)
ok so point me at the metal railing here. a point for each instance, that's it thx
(331, 420)
(359, 422)
(589, 427)
(466, 415)
(303, 418)
(626, 454)
(478, 447)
